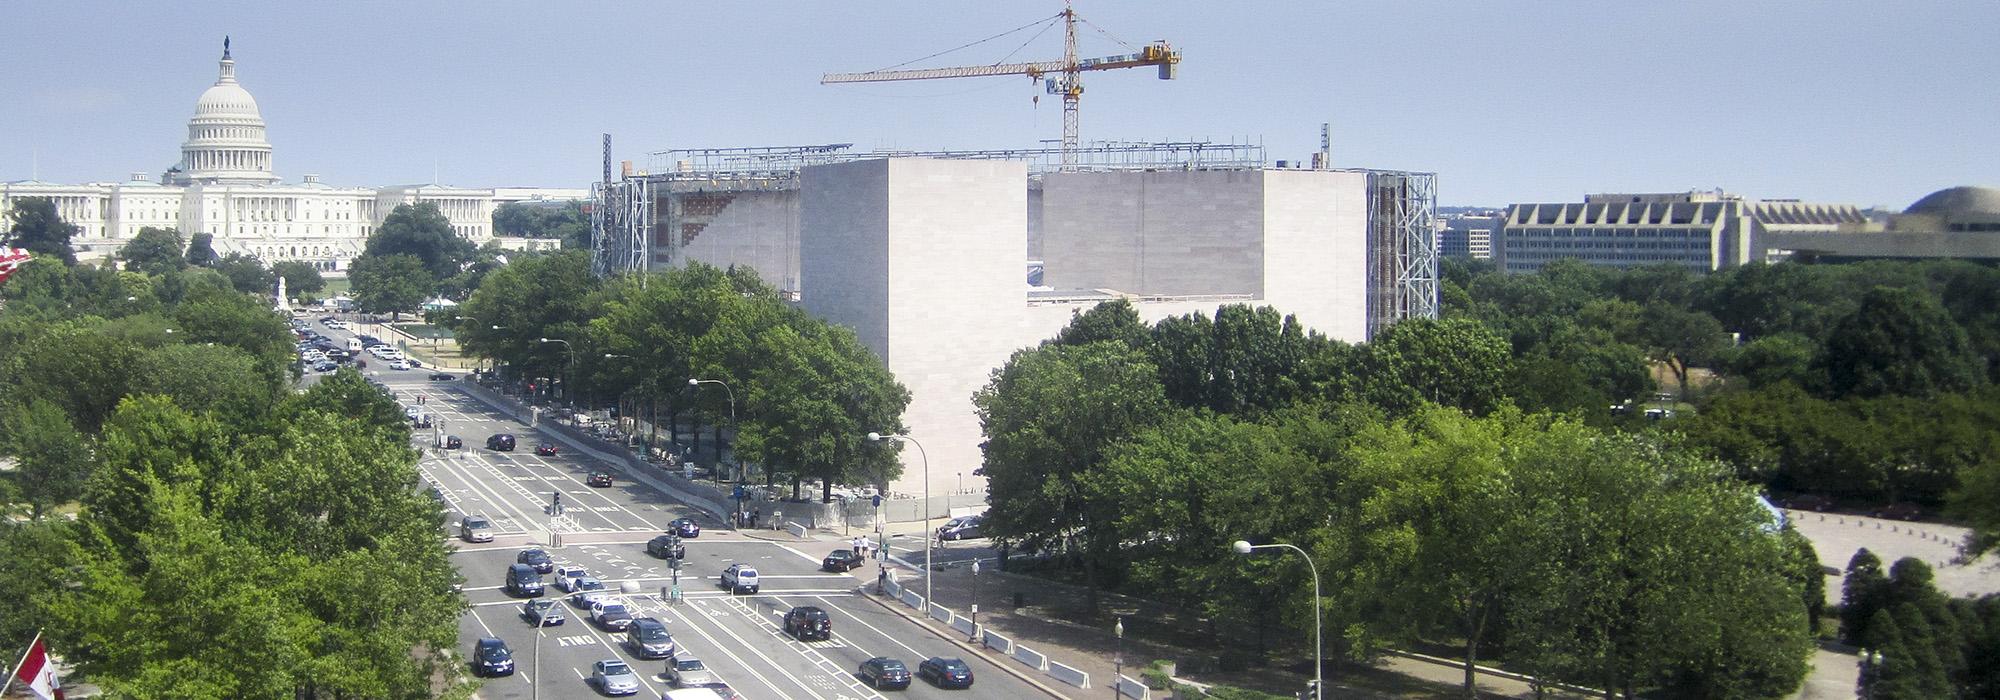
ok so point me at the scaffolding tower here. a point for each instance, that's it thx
(1402, 248)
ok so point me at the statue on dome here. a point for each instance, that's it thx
(225, 47)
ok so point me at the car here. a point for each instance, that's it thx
(688, 672)
(721, 690)
(587, 591)
(325, 366)
(807, 623)
(740, 578)
(599, 479)
(842, 560)
(1900, 511)
(423, 420)
(536, 558)
(500, 442)
(1807, 501)
(567, 574)
(337, 354)
(451, 442)
(611, 613)
(399, 365)
(442, 376)
(542, 612)
(546, 449)
(614, 677)
(491, 657)
(648, 639)
(523, 581)
(475, 528)
(945, 673)
(884, 673)
(666, 547)
(965, 528)
(685, 527)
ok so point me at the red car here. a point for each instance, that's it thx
(546, 449)
(599, 479)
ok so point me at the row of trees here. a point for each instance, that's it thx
(806, 392)
(565, 222)
(415, 255)
(230, 537)
(1439, 512)
(159, 251)
(1917, 642)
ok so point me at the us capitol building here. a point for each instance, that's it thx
(224, 186)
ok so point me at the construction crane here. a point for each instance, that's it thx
(1063, 77)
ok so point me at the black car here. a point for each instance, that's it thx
(945, 673)
(491, 657)
(842, 560)
(666, 547)
(502, 442)
(884, 673)
(684, 527)
(807, 622)
(442, 376)
(451, 442)
(536, 558)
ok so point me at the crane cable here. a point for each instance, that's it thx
(970, 45)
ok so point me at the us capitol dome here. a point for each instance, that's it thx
(225, 143)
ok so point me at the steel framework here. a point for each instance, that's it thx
(621, 220)
(1402, 248)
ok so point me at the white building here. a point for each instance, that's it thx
(224, 185)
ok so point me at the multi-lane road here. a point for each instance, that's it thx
(604, 530)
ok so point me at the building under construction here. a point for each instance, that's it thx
(947, 262)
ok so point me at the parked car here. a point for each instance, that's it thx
(965, 528)
(442, 377)
(685, 527)
(546, 449)
(884, 673)
(325, 366)
(536, 558)
(808, 623)
(611, 614)
(740, 578)
(647, 638)
(599, 479)
(1900, 511)
(451, 442)
(688, 672)
(542, 612)
(666, 547)
(501, 442)
(945, 673)
(614, 677)
(842, 560)
(491, 657)
(475, 528)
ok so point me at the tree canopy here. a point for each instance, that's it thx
(36, 227)
(154, 250)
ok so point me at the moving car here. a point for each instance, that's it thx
(611, 613)
(500, 442)
(542, 612)
(614, 677)
(399, 365)
(536, 558)
(721, 690)
(423, 420)
(648, 639)
(475, 528)
(740, 578)
(523, 581)
(945, 673)
(965, 528)
(666, 547)
(808, 623)
(587, 591)
(546, 449)
(685, 527)
(688, 672)
(599, 479)
(442, 377)
(451, 442)
(491, 657)
(842, 560)
(884, 673)
(567, 574)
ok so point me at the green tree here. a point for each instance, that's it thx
(201, 250)
(300, 278)
(565, 222)
(552, 296)
(421, 231)
(1780, 357)
(247, 274)
(52, 458)
(154, 250)
(389, 284)
(1452, 362)
(1681, 338)
(1977, 501)
(37, 228)
(1899, 341)
(1112, 320)
(811, 402)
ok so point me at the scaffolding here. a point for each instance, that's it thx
(782, 163)
(1402, 248)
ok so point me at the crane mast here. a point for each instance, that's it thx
(1068, 82)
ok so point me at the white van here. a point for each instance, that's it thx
(353, 346)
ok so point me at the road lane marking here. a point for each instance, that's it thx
(878, 630)
(687, 622)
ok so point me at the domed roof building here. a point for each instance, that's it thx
(225, 143)
(1956, 209)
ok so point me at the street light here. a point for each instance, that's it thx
(1319, 661)
(878, 437)
(535, 683)
(1118, 662)
(695, 382)
(568, 374)
(974, 638)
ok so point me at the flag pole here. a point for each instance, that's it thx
(11, 672)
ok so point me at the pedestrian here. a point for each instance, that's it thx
(857, 546)
(755, 516)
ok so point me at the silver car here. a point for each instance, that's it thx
(476, 528)
(688, 672)
(586, 591)
(613, 677)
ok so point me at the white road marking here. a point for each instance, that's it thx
(725, 649)
(878, 630)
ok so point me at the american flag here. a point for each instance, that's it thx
(11, 259)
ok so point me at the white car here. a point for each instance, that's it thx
(567, 574)
(611, 613)
(399, 364)
(588, 591)
(740, 578)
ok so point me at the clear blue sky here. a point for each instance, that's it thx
(1869, 103)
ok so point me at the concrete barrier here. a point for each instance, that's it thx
(1069, 675)
(994, 641)
(796, 529)
(942, 613)
(913, 600)
(894, 589)
(1034, 659)
(964, 625)
(1128, 688)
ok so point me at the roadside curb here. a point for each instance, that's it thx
(1003, 663)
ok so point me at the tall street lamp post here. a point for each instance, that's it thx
(1319, 660)
(535, 683)
(974, 634)
(1118, 662)
(694, 381)
(569, 373)
(878, 437)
